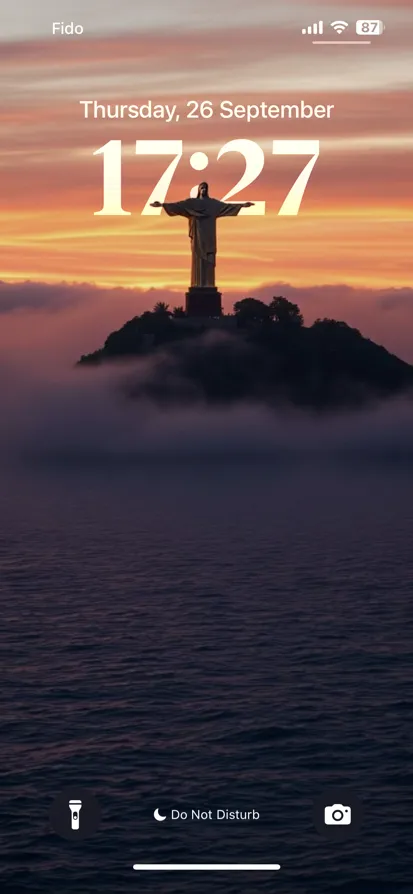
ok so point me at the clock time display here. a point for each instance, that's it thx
(251, 151)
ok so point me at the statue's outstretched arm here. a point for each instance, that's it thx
(174, 208)
(227, 209)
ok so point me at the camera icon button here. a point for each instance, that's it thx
(338, 813)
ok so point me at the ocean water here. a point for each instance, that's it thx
(207, 633)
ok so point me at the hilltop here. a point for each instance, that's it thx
(262, 352)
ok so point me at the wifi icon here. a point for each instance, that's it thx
(339, 27)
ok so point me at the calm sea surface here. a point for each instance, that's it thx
(213, 634)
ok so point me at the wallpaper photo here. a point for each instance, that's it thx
(206, 445)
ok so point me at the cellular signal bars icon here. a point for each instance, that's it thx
(317, 28)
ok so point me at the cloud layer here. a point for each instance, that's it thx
(51, 410)
(80, 416)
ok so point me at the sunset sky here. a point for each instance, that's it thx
(355, 225)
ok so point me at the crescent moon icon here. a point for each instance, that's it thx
(158, 816)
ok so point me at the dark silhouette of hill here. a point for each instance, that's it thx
(263, 352)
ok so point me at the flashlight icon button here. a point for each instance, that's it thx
(75, 813)
(75, 807)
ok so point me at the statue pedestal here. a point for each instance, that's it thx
(203, 301)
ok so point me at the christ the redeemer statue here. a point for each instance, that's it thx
(203, 298)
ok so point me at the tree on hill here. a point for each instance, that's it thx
(162, 308)
(251, 311)
(285, 312)
(178, 312)
(327, 323)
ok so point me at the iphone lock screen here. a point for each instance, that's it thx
(206, 447)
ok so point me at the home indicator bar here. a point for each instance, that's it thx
(206, 867)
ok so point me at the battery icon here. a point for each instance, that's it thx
(369, 27)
